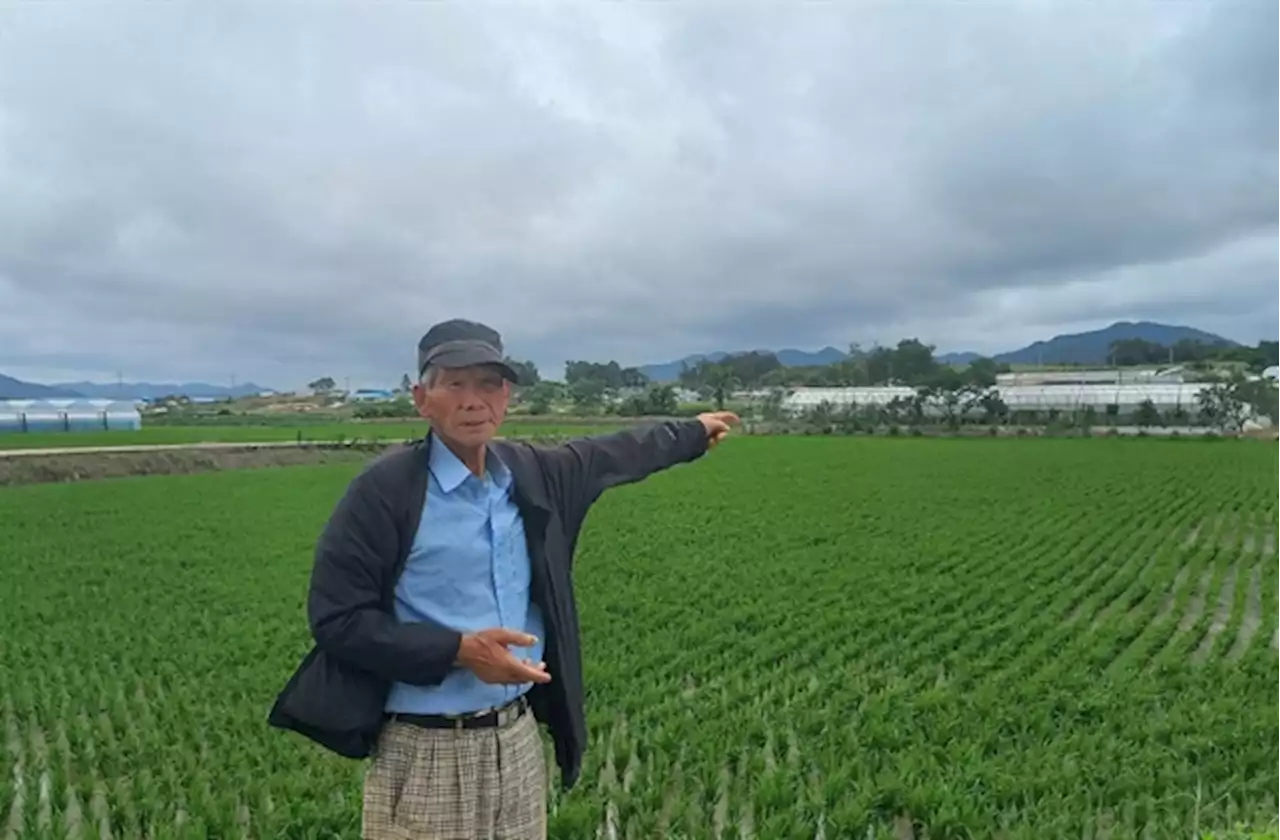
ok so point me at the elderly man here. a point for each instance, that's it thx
(442, 603)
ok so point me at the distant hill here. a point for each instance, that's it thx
(153, 390)
(802, 358)
(16, 389)
(1087, 348)
(790, 357)
(1093, 348)
(961, 358)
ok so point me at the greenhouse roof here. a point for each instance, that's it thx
(1160, 393)
(66, 404)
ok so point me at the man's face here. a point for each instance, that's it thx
(464, 405)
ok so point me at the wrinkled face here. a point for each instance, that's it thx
(465, 405)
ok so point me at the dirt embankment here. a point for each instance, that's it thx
(64, 465)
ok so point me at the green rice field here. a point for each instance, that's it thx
(794, 637)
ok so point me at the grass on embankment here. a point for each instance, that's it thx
(323, 432)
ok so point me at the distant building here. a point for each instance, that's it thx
(373, 395)
(687, 395)
(68, 415)
(1038, 398)
(1106, 376)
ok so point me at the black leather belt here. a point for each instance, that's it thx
(482, 720)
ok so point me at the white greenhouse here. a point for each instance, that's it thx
(1039, 398)
(68, 415)
(803, 399)
(1127, 398)
(1107, 376)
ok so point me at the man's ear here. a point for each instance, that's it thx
(420, 401)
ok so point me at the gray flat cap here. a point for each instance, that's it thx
(459, 343)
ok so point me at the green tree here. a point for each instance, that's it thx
(587, 394)
(1229, 404)
(525, 370)
(1136, 351)
(910, 362)
(659, 400)
(634, 378)
(541, 397)
(994, 409)
(1147, 414)
(721, 380)
(1220, 406)
(952, 402)
(1265, 356)
(1186, 350)
(1263, 398)
(751, 370)
(982, 372)
(771, 407)
(821, 416)
(609, 374)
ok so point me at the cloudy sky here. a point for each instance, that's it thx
(279, 191)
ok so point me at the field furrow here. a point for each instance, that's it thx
(1251, 619)
(1037, 635)
(1221, 615)
(1275, 619)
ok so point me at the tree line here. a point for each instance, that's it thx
(589, 385)
(910, 362)
(1128, 352)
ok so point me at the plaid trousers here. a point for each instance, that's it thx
(465, 784)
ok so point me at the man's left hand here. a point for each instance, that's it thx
(717, 424)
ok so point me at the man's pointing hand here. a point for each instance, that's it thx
(717, 424)
(485, 654)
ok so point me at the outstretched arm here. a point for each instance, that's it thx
(585, 468)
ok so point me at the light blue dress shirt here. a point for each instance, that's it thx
(468, 569)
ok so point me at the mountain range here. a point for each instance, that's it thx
(1087, 348)
(1094, 348)
(16, 389)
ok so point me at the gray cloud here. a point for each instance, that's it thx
(284, 191)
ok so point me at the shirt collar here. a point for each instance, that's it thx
(450, 472)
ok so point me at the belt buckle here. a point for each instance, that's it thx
(502, 714)
(460, 721)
